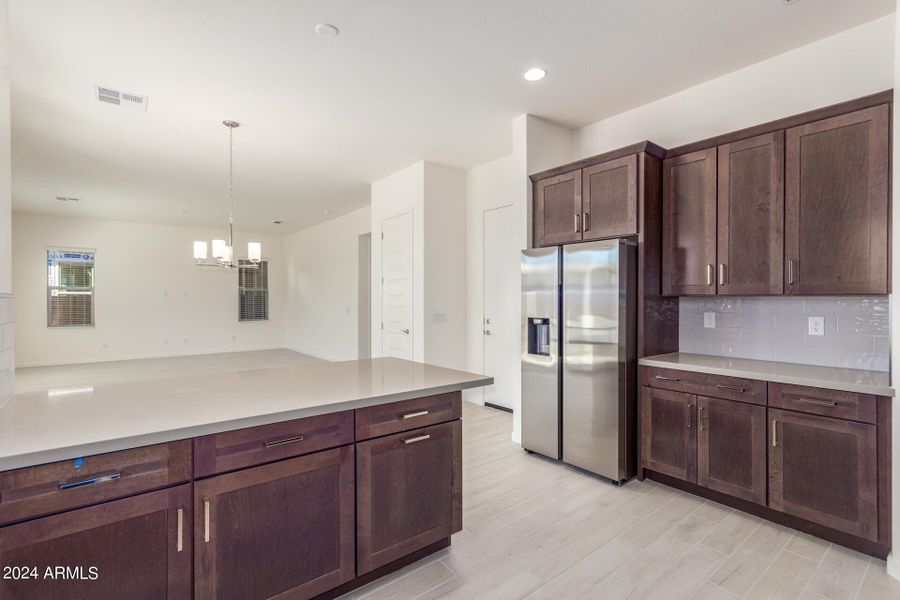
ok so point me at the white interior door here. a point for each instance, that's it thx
(397, 287)
(502, 273)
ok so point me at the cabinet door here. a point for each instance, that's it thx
(837, 205)
(751, 216)
(609, 199)
(689, 224)
(731, 451)
(279, 530)
(140, 548)
(408, 492)
(824, 470)
(557, 210)
(668, 433)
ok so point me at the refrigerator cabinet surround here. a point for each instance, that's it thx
(579, 358)
(540, 351)
(599, 358)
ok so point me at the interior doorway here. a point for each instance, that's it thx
(500, 324)
(397, 287)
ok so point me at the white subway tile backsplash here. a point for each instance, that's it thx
(857, 330)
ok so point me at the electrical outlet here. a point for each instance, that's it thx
(709, 320)
(817, 326)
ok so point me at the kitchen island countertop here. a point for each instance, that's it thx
(42, 426)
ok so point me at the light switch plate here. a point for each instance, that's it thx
(817, 326)
(709, 320)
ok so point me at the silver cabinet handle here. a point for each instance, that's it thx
(420, 413)
(577, 223)
(791, 272)
(687, 414)
(709, 274)
(283, 441)
(406, 331)
(774, 433)
(729, 387)
(721, 273)
(419, 438)
(700, 418)
(91, 481)
(179, 545)
(661, 378)
(586, 219)
(819, 402)
(206, 521)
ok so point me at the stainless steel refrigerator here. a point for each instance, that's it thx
(579, 378)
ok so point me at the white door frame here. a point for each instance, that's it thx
(484, 257)
(412, 275)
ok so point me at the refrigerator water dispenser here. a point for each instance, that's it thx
(539, 336)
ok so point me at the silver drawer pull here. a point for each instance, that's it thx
(709, 274)
(819, 402)
(661, 378)
(179, 544)
(421, 413)
(91, 481)
(774, 433)
(420, 438)
(730, 387)
(282, 442)
(206, 521)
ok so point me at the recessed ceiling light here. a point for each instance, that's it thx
(534, 74)
(327, 30)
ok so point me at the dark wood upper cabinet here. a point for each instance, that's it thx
(408, 492)
(285, 529)
(751, 216)
(837, 220)
(732, 448)
(824, 470)
(669, 433)
(139, 546)
(689, 224)
(557, 210)
(609, 200)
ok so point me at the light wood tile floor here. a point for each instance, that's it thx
(535, 529)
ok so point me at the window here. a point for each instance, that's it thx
(253, 291)
(70, 288)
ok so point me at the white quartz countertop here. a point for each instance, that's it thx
(849, 380)
(42, 426)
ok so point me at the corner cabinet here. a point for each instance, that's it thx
(135, 548)
(800, 209)
(837, 177)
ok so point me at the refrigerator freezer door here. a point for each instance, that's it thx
(596, 348)
(540, 351)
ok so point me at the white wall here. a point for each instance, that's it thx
(848, 65)
(5, 160)
(322, 305)
(401, 192)
(445, 266)
(151, 300)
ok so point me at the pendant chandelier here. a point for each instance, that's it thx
(223, 250)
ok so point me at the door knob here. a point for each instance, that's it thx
(406, 331)
(487, 332)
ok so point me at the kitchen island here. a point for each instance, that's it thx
(305, 481)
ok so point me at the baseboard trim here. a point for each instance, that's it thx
(498, 407)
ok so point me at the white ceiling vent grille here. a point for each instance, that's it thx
(119, 98)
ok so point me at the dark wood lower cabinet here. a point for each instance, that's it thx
(732, 448)
(824, 470)
(139, 546)
(282, 530)
(668, 433)
(409, 489)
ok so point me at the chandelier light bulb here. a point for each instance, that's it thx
(200, 251)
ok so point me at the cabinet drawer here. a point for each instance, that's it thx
(704, 384)
(64, 485)
(820, 401)
(242, 448)
(408, 414)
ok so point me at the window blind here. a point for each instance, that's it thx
(70, 288)
(253, 291)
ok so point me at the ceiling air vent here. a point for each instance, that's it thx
(119, 98)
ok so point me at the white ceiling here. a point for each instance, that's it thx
(322, 118)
